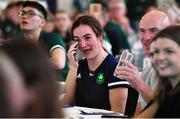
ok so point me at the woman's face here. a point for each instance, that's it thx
(166, 56)
(31, 19)
(89, 44)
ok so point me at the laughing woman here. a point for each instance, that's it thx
(90, 82)
(165, 52)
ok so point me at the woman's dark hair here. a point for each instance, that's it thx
(39, 75)
(90, 21)
(171, 32)
(37, 6)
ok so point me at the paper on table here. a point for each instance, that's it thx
(88, 112)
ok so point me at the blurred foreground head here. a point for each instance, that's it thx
(12, 90)
(40, 93)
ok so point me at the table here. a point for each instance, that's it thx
(86, 113)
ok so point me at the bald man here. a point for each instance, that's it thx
(150, 24)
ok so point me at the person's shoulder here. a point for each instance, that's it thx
(52, 40)
(111, 57)
(115, 29)
(111, 60)
(148, 69)
(114, 26)
(148, 73)
(50, 34)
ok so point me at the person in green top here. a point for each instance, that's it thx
(32, 18)
(115, 34)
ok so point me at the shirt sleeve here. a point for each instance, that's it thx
(53, 41)
(115, 82)
(142, 102)
(149, 77)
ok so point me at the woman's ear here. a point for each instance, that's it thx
(101, 38)
(43, 22)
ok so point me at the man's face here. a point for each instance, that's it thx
(12, 14)
(62, 21)
(148, 29)
(31, 19)
(116, 10)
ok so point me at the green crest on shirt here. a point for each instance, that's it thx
(100, 78)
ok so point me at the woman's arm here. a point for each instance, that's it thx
(118, 99)
(150, 111)
(58, 58)
(70, 85)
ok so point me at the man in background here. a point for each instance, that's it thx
(150, 24)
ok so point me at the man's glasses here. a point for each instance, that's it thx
(29, 14)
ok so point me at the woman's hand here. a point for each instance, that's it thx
(71, 55)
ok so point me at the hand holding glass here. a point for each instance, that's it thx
(126, 55)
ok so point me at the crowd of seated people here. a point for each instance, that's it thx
(40, 49)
